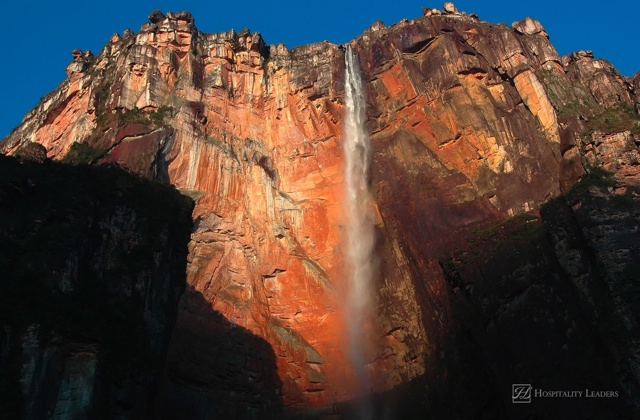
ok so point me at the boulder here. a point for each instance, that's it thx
(75, 67)
(32, 151)
(156, 16)
(529, 26)
(449, 7)
(582, 55)
(77, 54)
(183, 15)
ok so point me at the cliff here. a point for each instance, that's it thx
(91, 277)
(551, 299)
(472, 123)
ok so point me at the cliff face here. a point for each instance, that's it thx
(471, 123)
(550, 300)
(91, 277)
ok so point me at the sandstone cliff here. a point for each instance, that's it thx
(471, 123)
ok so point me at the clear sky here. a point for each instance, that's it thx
(39, 35)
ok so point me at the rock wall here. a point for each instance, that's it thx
(93, 263)
(471, 123)
(549, 301)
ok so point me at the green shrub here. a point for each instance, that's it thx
(153, 118)
(134, 116)
(598, 176)
(83, 154)
(157, 117)
(618, 118)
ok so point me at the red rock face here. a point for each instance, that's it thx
(471, 123)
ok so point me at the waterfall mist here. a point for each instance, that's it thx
(360, 230)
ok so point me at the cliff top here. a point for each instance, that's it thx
(611, 36)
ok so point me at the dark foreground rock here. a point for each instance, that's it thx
(92, 264)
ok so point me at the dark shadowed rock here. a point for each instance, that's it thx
(32, 151)
(635, 82)
(183, 15)
(582, 55)
(156, 16)
(91, 277)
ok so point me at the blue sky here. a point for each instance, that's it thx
(38, 36)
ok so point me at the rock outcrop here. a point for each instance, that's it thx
(93, 263)
(547, 300)
(529, 26)
(472, 123)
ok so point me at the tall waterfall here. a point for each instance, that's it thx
(361, 261)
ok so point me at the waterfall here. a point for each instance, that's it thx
(360, 230)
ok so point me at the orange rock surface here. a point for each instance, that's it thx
(465, 118)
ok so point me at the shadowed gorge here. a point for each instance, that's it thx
(503, 181)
